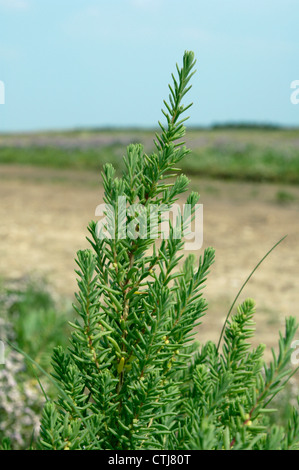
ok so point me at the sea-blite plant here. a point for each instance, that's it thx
(132, 377)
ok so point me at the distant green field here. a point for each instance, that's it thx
(255, 154)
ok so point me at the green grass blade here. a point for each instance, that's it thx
(242, 287)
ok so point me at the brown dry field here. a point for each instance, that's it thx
(44, 214)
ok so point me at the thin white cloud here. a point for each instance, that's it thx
(8, 52)
(14, 4)
(90, 22)
(146, 4)
(98, 23)
(105, 23)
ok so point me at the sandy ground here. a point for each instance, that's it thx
(44, 214)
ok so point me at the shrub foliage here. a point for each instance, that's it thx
(133, 377)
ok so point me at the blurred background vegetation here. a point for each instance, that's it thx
(241, 152)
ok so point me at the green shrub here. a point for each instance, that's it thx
(284, 197)
(30, 317)
(39, 323)
(132, 377)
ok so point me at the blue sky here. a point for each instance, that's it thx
(81, 63)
